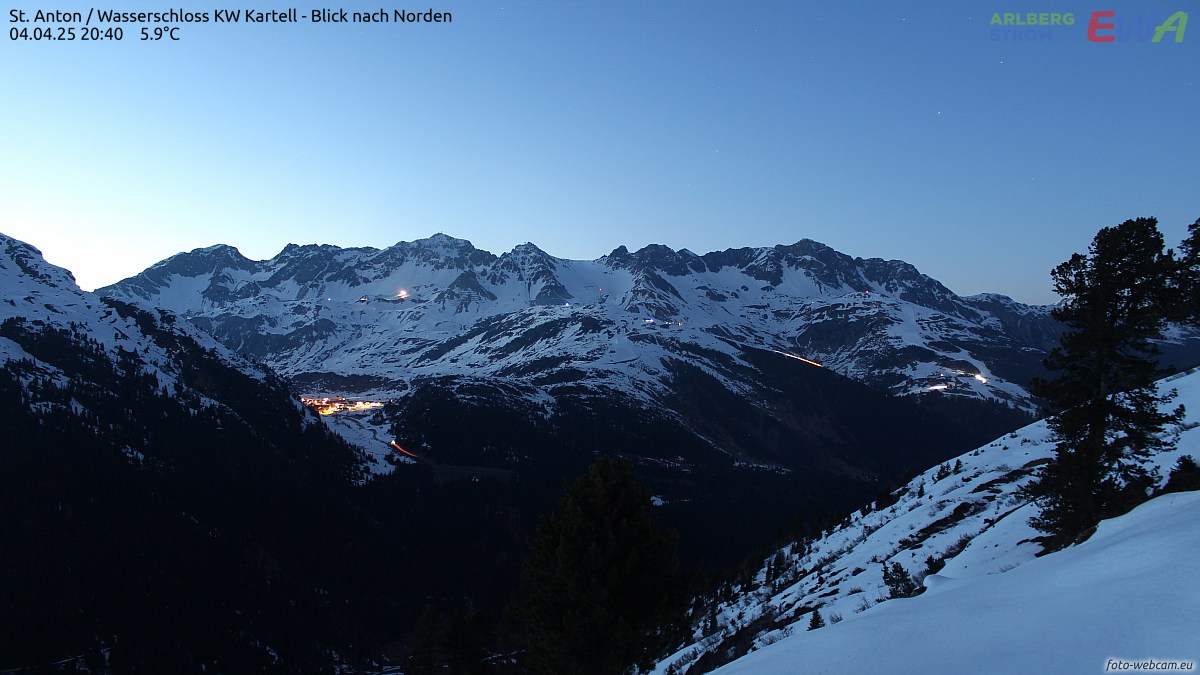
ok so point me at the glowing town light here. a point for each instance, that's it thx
(981, 378)
(938, 387)
(331, 406)
(402, 293)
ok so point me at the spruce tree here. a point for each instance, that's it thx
(601, 579)
(1185, 307)
(815, 621)
(900, 584)
(1108, 418)
(1185, 477)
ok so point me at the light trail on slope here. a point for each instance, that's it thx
(396, 445)
(798, 358)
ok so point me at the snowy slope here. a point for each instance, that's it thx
(1127, 594)
(39, 299)
(42, 294)
(1119, 595)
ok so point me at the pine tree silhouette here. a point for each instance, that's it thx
(601, 578)
(816, 621)
(1115, 303)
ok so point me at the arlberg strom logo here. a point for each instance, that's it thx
(1102, 26)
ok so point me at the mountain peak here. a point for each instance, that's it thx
(441, 240)
(657, 258)
(526, 257)
(617, 253)
(204, 260)
(290, 248)
(440, 249)
(528, 247)
(27, 261)
(217, 249)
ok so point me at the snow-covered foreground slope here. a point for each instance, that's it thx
(1127, 593)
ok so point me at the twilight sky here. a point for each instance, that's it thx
(883, 128)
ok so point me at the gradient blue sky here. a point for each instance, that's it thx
(895, 129)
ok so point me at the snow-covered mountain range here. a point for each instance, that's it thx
(750, 367)
(702, 408)
(378, 323)
(439, 306)
(755, 367)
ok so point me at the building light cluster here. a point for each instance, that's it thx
(338, 404)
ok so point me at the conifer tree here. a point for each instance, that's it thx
(815, 621)
(601, 580)
(1185, 477)
(900, 584)
(1108, 418)
(1186, 305)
